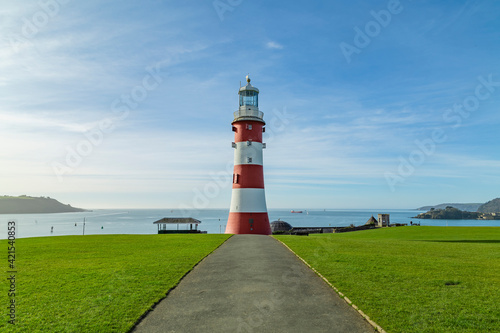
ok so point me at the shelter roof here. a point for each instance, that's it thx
(177, 220)
(372, 220)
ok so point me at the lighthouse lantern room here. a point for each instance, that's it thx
(248, 211)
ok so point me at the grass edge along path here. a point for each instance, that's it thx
(153, 306)
(347, 300)
(413, 279)
(97, 283)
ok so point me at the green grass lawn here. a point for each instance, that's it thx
(413, 279)
(96, 283)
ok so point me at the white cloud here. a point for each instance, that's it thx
(274, 45)
(31, 123)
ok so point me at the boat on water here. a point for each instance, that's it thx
(296, 211)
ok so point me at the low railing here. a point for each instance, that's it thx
(248, 113)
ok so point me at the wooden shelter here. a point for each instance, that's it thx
(165, 224)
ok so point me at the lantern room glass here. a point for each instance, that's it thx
(250, 98)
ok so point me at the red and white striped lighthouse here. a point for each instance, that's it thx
(248, 212)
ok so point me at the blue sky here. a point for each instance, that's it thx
(369, 104)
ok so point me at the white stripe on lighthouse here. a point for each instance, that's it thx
(248, 200)
(248, 152)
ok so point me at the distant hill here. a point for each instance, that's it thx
(449, 213)
(469, 207)
(492, 206)
(31, 205)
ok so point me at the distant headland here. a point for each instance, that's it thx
(34, 205)
(469, 207)
(486, 211)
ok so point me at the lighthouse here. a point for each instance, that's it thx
(248, 211)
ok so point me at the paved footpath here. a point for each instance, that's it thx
(252, 283)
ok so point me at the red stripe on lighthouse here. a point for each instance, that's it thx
(248, 223)
(248, 131)
(248, 176)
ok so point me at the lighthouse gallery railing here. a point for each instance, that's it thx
(248, 113)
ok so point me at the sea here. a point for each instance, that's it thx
(213, 221)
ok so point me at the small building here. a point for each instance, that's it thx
(372, 221)
(165, 225)
(280, 226)
(383, 220)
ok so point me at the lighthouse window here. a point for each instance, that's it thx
(249, 143)
(249, 97)
(249, 127)
(236, 178)
(249, 160)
